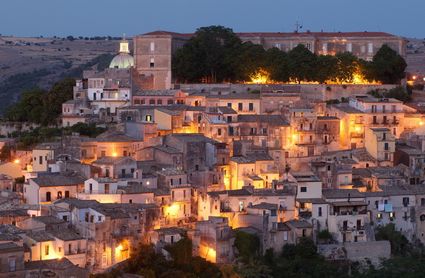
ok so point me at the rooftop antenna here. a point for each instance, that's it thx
(298, 26)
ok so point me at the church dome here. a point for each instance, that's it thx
(123, 60)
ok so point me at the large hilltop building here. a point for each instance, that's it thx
(153, 51)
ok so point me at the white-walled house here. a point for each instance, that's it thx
(48, 188)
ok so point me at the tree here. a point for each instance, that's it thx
(5, 152)
(248, 245)
(388, 66)
(40, 106)
(251, 58)
(276, 62)
(61, 92)
(346, 67)
(399, 243)
(301, 63)
(326, 66)
(209, 55)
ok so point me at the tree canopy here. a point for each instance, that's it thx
(216, 54)
(40, 106)
(388, 66)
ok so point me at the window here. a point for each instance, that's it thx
(303, 189)
(170, 102)
(46, 250)
(106, 188)
(349, 47)
(86, 217)
(65, 218)
(152, 63)
(219, 132)
(320, 211)
(40, 159)
(285, 235)
(379, 216)
(370, 48)
(69, 248)
(229, 105)
(422, 201)
(405, 201)
(229, 119)
(386, 146)
(12, 264)
(148, 118)
(48, 196)
(231, 130)
(103, 153)
(240, 106)
(159, 102)
(251, 106)
(152, 102)
(66, 194)
(124, 153)
(374, 120)
(59, 195)
(152, 46)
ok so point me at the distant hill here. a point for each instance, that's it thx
(30, 62)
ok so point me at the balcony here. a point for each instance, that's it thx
(343, 228)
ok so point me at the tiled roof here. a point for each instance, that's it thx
(40, 236)
(264, 205)
(271, 119)
(111, 159)
(48, 220)
(167, 149)
(342, 193)
(235, 96)
(299, 224)
(66, 234)
(193, 137)
(10, 247)
(58, 180)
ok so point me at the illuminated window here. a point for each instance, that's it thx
(46, 250)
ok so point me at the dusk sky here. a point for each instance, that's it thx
(114, 17)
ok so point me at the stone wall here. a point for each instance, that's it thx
(373, 251)
(308, 91)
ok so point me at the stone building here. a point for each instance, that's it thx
(153, 51)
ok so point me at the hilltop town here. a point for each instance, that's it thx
(151, 165)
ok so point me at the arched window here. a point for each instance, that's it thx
(422, 217)
(59, 194)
